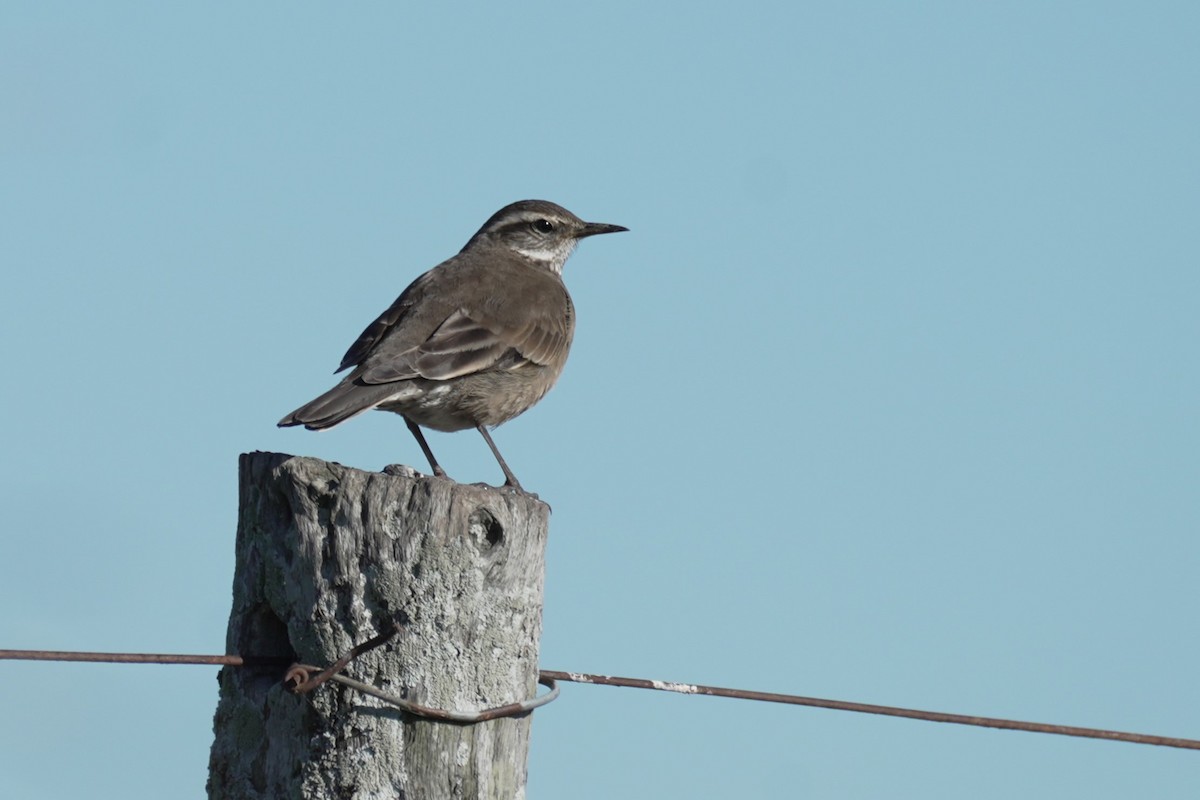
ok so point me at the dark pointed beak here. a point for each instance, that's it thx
(594, 228)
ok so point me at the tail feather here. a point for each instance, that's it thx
(339, 404)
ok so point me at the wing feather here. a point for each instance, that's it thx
(462, 346)
(534, 327)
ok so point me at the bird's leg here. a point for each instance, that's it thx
(420, 437)
(509, 478)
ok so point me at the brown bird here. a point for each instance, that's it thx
(475, 341)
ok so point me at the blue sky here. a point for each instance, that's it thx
(889, 395)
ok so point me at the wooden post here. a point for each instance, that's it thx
(328, 557)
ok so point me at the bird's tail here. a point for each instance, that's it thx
(339, 404)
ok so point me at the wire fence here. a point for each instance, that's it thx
(301, 678)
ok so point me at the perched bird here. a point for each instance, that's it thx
(473, 342)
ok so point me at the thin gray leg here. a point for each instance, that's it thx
(509, 478)
(420, 437)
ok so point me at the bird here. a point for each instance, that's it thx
(473, 342)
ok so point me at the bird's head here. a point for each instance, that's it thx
(540, 231)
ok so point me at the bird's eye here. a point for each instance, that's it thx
(543, 226)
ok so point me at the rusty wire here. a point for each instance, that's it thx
(298, 675)
(868, 708)
(140, 658)
(549, 677)
(507, 710)
(300, 679)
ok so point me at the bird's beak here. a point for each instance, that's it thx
(593, 228)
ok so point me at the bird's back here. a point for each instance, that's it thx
(463, 367)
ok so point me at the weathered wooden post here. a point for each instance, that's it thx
(328, 557)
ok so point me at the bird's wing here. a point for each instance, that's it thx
(385, 322)
(462, 346)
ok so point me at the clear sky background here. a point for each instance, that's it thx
(890, 394)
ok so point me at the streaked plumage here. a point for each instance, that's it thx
(473, 342)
